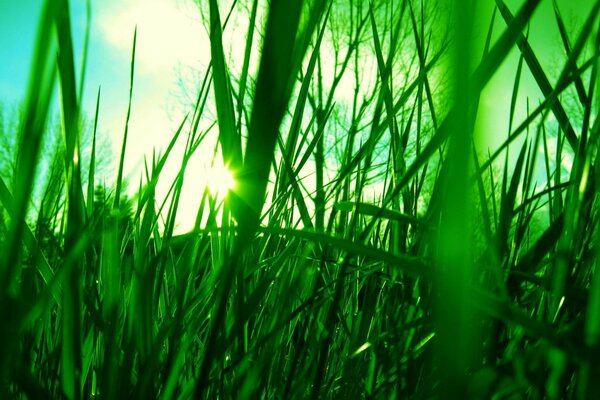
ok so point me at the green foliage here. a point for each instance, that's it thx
(404, 264)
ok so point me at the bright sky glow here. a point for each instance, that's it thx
(171, 41)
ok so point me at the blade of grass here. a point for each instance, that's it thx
(71, 352)
(228, 137)
(92, 166)
(39, 95)
(126, 132)
(583, 98)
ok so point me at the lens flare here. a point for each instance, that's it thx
(220, 180)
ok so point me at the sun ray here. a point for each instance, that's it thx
(220, 180)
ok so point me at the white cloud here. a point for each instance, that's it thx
(166, 35)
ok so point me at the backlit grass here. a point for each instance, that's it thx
(358, 242)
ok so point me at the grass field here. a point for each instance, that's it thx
(370, 248)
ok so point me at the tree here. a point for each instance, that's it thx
(48, 195)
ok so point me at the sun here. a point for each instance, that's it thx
(220, 180)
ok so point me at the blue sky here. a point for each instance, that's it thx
(17, 35)
(168, 39)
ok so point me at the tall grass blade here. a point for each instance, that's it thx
(119, 185)
(228, 137)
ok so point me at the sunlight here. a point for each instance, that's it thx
(219, 180)
(167, 34)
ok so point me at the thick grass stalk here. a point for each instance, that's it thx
(71, 352)
(457, 334)
(273, 88)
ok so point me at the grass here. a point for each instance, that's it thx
(408, 264)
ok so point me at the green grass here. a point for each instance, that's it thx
(408, 264)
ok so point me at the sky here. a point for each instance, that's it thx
(172, 42)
